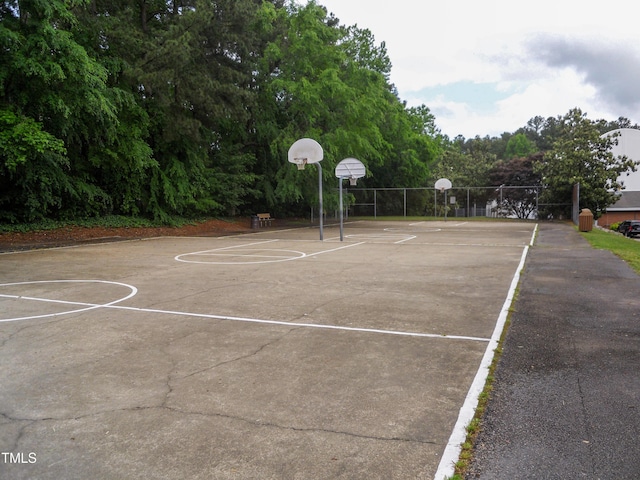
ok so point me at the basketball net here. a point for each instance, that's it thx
(300, 163)
(353, 181)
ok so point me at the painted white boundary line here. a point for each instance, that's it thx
(304, 325)
(280, 258)
(112, 305)
(89, 306)
(446, 468)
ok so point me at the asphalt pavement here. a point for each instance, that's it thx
(566, 398)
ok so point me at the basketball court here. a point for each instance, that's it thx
(268, 355)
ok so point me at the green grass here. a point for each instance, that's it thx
(625, 248)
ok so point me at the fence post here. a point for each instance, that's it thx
(405, 202)
(375, 203)
(435, 202)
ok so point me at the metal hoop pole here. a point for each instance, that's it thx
(320, 201)
(341, 211)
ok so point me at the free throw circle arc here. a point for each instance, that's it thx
(54, 294)
(305, 150)
(350, 168)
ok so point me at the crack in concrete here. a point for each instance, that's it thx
(240, 357)
(351, 295)
(38, 325)
(20, 433)
(30, 422)
(585, 412)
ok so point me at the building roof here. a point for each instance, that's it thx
(629, 202)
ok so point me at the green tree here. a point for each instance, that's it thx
(415, 144)
(51, 82)
(190, 65)
(580, 155)
(27, 155)
(162, 108)
(519, 146)
(520, 197)
(466, 163)
(621, 122)
(331, 83)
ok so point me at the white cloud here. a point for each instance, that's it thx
(552, 56)
(546, 97)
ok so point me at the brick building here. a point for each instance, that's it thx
(626, 208)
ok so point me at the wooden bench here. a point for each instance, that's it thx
(264, 219)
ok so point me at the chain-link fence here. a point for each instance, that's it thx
(502, 201)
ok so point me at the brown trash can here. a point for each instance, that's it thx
(585, 220)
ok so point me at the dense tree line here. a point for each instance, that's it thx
(544, 160)
(157, 108)
(188, 107)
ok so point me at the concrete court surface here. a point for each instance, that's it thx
(264, 356)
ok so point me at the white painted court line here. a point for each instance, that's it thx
(242, 249)
(385, 237)
(225, 248)
(113, 305)
(251, 255)
(302, 325)
(425, 222)
(405, 240)
(458, 244)
(446, 468)
(90, 306)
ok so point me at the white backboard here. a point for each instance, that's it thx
(443, 184)
(350, 168)
(305, 150)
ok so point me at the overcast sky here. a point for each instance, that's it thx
(487, 67)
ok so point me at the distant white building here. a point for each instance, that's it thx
(628, 145)
(628, 207)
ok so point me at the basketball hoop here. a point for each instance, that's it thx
(300, 163)
(307, 150)
(443, 184)
(353, 169)
(304, 151)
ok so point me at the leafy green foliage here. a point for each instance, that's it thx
(519, 146)
(330, 83)
(466, 164)
(517, 173)
(159, 109)
(67, 148)
(581, 155)
(22, 138)
(33, 169)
